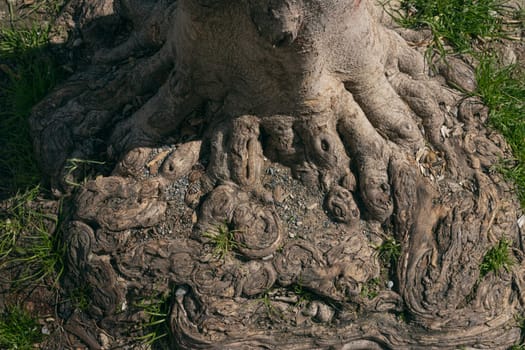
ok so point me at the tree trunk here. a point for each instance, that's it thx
(267, 158)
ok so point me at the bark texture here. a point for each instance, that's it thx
(219, 116)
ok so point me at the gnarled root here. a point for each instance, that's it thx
(204, 202)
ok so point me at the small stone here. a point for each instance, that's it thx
(312, 206)
(45, 330)
(181, 291)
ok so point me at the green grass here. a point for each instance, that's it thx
(520, 323)
(466, 25)
(371, 288)
(27, 73)
(29, 253)
(454, 22)
(31, 10)
(305, 296)
(271, 311)
(503, 91)
(156, 328)
(80, 297)
(222, 239)
(389, 251)
(497, 258)
(518, 347)
(80, 168)
(18, 330)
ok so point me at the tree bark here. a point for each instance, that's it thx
(206, 111)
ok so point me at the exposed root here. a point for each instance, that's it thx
(351, 110)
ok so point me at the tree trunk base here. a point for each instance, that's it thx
(281, 186)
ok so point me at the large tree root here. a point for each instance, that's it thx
(235, 91)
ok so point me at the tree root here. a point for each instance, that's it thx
(382, 148)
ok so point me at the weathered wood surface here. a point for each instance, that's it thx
(207, 110)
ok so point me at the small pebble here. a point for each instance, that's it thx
(45, 330)
(312, 206)
(181, 291)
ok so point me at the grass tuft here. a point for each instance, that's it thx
(497, 258)
(463, 24)
(28, 251)
(27, 74)
(454, 22)
(80, 168)
(271, 311)
(16, 42)
(305, 296)
(503, 91)
(389, 251)
(157, 311)
(371, 288)
(223, 240)
(80, 297)
(18, 330)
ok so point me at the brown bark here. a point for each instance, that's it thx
(207, 109)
